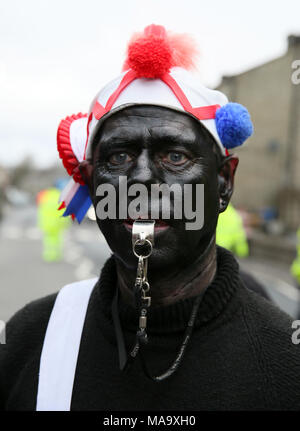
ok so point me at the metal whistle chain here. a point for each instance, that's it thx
(142, 245)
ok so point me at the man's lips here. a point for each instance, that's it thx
(159, 225)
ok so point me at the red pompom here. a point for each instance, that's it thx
(155, 51)
(150, 56)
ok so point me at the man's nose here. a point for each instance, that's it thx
(144, 171)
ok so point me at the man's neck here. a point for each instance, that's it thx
(177, 284)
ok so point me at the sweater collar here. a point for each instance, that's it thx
(174, 317)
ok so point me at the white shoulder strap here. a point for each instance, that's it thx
(61, 346)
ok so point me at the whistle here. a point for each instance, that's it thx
(143, 237)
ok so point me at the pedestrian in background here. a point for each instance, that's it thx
(51, 223)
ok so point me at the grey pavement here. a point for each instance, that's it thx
(277, 280)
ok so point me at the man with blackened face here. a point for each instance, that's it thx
(169, 324)
(157, 145)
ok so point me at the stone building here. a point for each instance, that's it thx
(269, 170)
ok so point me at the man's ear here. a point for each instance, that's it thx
(86, 170)
(226, 180)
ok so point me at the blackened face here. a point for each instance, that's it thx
(155, 145)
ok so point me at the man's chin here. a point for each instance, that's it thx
(166, 250)
(174, 246)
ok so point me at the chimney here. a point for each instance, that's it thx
(293, 40)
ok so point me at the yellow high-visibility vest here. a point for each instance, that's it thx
(295, 268)
(230, 232)
(49, 218)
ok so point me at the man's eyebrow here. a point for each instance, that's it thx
(120, 139)
(169, 137)
(155, 135)
(158, 140)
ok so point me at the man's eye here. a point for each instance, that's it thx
(119, 158)
(175, 158)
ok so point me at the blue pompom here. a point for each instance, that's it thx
(234, 124)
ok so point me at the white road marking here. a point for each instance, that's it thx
(84, 270)
(12, 232)
(33, 233)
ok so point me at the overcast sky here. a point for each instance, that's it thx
(55, 55)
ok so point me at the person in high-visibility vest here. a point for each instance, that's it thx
(295, 267)
(230, 232)
(51, 223)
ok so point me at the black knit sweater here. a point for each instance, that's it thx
(241, 356)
